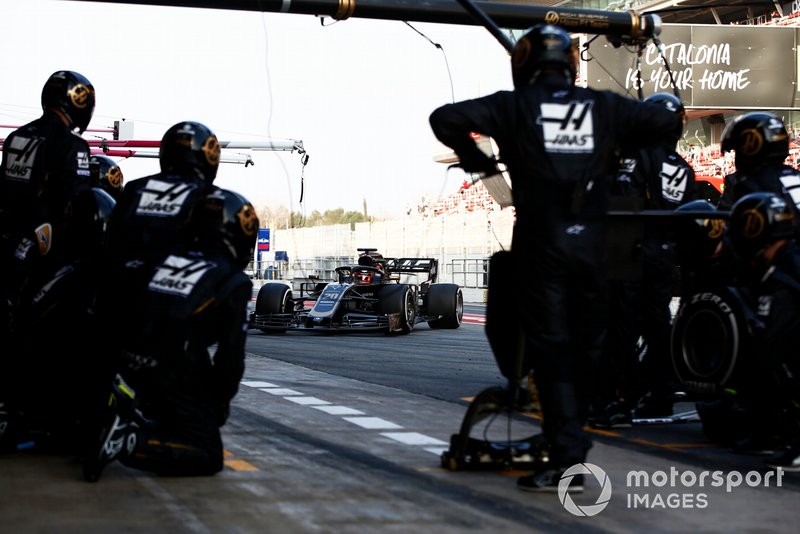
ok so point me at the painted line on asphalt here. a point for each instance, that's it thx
(354, 416)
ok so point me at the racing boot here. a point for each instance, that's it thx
(123, 401)
(116, 441)
(117, 437)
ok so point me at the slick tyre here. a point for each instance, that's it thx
(709, 340)
(446, 303)
(274, 298)
(400, 304)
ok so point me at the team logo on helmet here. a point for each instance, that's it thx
(248, 220)
(211, 149)
(114, 177)
(753, 224)
(716, 227)
(79, 95)
(551, 17)
(751, 142)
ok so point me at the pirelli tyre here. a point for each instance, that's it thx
(445, 302)
(399, 303)
(710, 341)
(274, 298)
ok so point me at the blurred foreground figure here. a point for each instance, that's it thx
(560, 145)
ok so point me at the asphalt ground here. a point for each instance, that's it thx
(345, 434)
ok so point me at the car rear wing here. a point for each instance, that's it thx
(429, 266)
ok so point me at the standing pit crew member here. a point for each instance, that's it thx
(662, 180)
(560, 145)
(45, 165)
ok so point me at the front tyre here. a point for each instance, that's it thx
(275, 298)
(399, 303)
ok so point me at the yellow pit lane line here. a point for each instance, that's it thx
(237, 465)
(240, 465)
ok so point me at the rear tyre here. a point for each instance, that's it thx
(272, 299)
(399, 299)
(447, 302)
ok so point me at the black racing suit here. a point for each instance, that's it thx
(152, 215)
(559, 144)
(44, 166)
(663, 180)
(164, 329)
(774, 377)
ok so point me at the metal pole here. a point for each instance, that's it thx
(511, 16)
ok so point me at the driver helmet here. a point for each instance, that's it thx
(757, 221)
(106, 175)
(363, 277)
(73, 95)
(758, 139)
(190, 148)
(543, 46)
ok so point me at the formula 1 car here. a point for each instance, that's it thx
(367, 296)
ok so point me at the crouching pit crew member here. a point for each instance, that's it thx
(172, 395)
(761, 235)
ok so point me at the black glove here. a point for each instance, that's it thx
(480, 164)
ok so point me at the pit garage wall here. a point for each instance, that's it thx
(460, 241)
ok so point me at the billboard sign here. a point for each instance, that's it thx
(714, 66)
(263, 240)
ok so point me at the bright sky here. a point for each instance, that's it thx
(358, 93)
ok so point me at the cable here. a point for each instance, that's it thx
(444, 55)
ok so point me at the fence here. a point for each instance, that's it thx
(461, 242)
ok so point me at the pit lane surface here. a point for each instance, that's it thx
(342, 433)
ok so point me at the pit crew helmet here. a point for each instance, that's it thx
(542, 46)
(86, 223)
(73, 95)
(106, 175)
(758, 138)
(671, 103)
(697, 239)
(227, 221)
(190, 148)
(758, 220)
